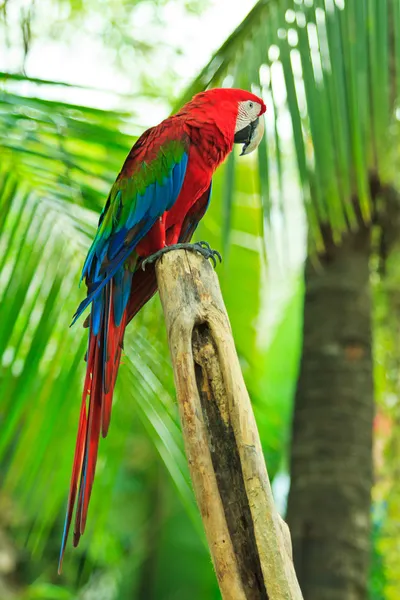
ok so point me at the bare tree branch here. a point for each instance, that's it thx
(249, 543)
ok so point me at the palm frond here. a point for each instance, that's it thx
(329, 72)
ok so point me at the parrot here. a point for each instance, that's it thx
(154, 206)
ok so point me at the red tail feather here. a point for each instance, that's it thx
(115, 337)
(101, 374)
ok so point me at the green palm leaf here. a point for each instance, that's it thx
(334, 66)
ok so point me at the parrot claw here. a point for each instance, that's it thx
(202, 248)
(205, 249)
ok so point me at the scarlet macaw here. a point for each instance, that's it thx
(156, 202)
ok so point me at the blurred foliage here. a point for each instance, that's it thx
(387, 423)
(329, 73)
(132, 31)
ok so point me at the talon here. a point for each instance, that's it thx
(149, 260)
(205, 245)
(218, 255)
(214, 253)
(205, 250)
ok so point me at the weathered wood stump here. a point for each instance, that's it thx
(249, 542)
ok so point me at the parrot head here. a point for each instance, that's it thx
(249, 127)
(237, 113)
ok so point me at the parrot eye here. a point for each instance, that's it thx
(251, 105)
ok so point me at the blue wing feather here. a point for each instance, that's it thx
(109, 252)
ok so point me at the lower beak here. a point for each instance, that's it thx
(250, 136)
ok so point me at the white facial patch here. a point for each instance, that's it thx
(248, 112)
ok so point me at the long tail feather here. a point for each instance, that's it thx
(106, 334)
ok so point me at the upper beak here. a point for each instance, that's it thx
(250, 136)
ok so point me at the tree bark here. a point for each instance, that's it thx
(331, 458)
(249, 543)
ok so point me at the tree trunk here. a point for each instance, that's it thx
(331, 459)
(249, 543)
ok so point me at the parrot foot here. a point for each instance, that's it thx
(202, 248)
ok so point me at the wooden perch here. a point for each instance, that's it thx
(249, 542)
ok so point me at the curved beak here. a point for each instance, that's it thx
(250, 136)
